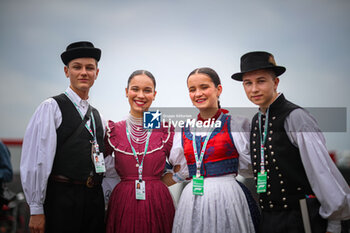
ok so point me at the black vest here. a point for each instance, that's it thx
(286, 178)
(73, 159)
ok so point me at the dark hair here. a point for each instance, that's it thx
(273, 73)
(212, 75)
(145, 72)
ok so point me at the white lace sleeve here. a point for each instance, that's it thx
(177, 157)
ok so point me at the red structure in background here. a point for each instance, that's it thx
(12, 142)
(333, 156)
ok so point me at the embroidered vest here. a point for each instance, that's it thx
(286, 178)
(221, 156)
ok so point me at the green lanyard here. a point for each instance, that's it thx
(134, 151)
(263, 140)
(93, 134)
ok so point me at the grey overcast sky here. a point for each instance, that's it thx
(170, 38)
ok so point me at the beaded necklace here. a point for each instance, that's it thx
(137, 133)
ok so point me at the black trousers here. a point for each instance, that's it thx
(72, 208)
(290, 222)
(281, 222)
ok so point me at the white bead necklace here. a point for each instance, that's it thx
(137, 133)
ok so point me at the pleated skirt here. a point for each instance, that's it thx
(223, 208)
(128, 215)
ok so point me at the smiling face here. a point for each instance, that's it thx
(261, 87)
(140, 93)
(82, 73)
(203, 92)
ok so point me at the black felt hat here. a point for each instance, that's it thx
(256, 61)
(80, 49)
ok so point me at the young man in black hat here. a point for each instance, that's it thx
(60, 178)
(289, 157)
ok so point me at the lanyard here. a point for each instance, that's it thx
(263, 140)
(93, 134)
(200, 159)
(134, 152)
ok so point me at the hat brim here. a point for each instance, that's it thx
(277, 69)
(67, 56)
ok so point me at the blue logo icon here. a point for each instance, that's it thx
(151, 120)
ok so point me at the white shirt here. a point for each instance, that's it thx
(39, 149)
(326, 181)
